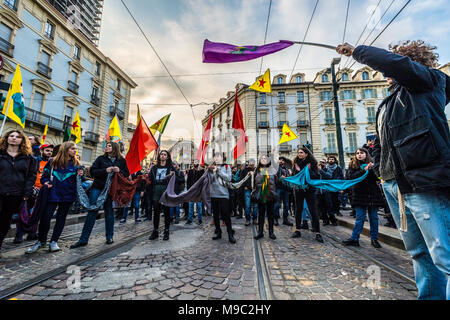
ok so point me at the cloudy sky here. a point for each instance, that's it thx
(177, 29)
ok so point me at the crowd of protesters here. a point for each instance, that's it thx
(405, 175)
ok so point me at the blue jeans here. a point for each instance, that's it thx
(305, 212)
(427, 239)
(136, 204)
(251, 209)
(191, 210)
(359, 223)
(92, 216)
(283, 197)
(175, 213)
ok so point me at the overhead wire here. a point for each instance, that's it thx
(345, 30)
(265, 35)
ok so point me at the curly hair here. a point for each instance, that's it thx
(418, 51)
(355, 163)
(25, 145)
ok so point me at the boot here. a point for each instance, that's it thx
(259, 236)
(166, 235)
(275, 222)
(376, 244)
(319, 238)
(351, 242)
(231, 238)
(18, 240)
(305, 225)
(272, 236)
(217, 236)
(154, 235)
(296, 234)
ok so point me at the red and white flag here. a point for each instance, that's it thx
(238, 124)
(201, 153)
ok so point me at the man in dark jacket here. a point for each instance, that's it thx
(283, 194)
(412, 156)
(194, 174)
(251, 209)
(333, 197)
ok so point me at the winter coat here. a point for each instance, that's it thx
(160, 177)
(273, 181)
(218, 190)
(282, 172)
(141, 185)
(180, 182)
(64, 182)
(98, 170)
(243, 174)
(18, 175)
(415, 136)
(367, 192)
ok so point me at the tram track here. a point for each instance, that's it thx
(264, 285)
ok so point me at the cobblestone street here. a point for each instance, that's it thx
(193, 267)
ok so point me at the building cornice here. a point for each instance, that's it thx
(43, 85)
(49, 46)
(11, 17)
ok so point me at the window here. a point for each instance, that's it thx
(95, 91)
(365, 75)
(348, 95)
(74, 77)
(118, 84)
(263, 116)
(87, 155)
(282, 116)
(331, 142)
(38, 101)
(300, 96)
(228, 111)
(281, 97)
(325, 78)
(352, 141)
(299, 79)
(262, 98)
(329, 116)
(386, 92)
(91, 124)
(302, 115)
(280, 80)
(371, 114)
(49, 30)
(214, 122)
(303, 138)
(68, 112)
(5, 38)
(98, 68)
(325, 95)
(349, 112)
(345, 77)
(220, 117)
(12, 4)
(45, 58)
(369, 93)
(76, 52)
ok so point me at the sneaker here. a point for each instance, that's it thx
(296, 234)
(138, 221)
(54, 247)
(147, 219)
(78, 245)
(376, 244)
(239, 217)
(123, 221)
(217, 236)
(177, 221)
(109, 241)
(166, 235)
(334, 224)
(154, 235)
(272, 236)
(231, 238)
(351, 242)
(35, 248)
(319, 238)
(326, 223)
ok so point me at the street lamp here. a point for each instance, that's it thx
(337, 112)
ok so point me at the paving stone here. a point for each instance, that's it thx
(163, 288)
(188, 289)
(145, 292)
(197, 283)
(208, 285)
(172, 293)
(185, 296)
(217, 294)
(202, 292)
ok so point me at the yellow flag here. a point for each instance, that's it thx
(263, 83)
(114, 133)
(138, 116)
(44, 136)
(76, 128)
(288, 135)
(14, 103)
(160, 125)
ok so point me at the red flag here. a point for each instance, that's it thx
(238, 124)
(205, 143)
(141, 145)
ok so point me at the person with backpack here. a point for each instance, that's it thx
(60, 177)
(18, 169)
(111, 162)
(366, 197)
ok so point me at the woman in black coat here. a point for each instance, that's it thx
(111, 161)
(366, 197)
(18, 170)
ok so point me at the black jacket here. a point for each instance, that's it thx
(141, 185)
(165, 181)
(18, 175)
(367, 192)
(193, 176)
(243, 174)
(337, 173)
(98, 170)
(180, 182)
(416, 133)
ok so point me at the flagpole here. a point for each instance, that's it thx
(315, 44)
(5, 117)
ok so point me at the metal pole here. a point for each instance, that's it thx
(257, 127)
(316, 44)
(5, 116)
(337, 114)
(310, 120)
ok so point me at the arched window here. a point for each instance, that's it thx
(365, 75)
(299, 79)
(345, 77)
(324, 78)
(280, 80)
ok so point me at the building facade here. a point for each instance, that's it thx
(184, 151)
(63, 72)
(308, 109)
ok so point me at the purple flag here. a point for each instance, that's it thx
(214, 52)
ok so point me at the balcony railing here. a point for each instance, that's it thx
(95, 100)
(302, 123)
(73, 87)
(263, 125)
(350, 120)
(6, 47)
(43, 119)
(113, 110)
(92, 137)
(44, 70)
(371, 119)
(330, 150)
(285, 148)
(281, 124)
(329, 121)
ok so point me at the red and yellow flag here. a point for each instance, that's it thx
(288, 135)
(263, 83)
(76, 128)
(44, 136)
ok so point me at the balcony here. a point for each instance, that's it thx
(6, 47)
(329, 121)
(263, 125)
(281, 124)
(92, 137)
(95, 100)
(302, 123)
(73, 87)
(330, 150)
(350, 120)
(113, 110)
(44, 70)
(285, 148)
(43, 119)
(372, 119)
